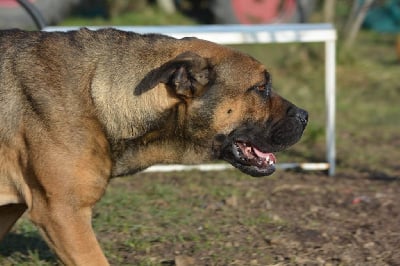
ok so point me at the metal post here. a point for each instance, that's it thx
(330, 94)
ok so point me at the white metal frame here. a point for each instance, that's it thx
(251, 34)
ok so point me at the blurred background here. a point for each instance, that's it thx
(381, 15)
(203, 11)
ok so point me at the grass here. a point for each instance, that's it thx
(165, 216)
(150, 15)
(192, 213)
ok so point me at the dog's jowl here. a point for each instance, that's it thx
(79, 108)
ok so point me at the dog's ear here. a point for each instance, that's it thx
(192, 75)
(188, 75)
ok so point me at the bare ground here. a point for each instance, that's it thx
(290, 219)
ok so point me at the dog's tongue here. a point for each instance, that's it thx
(268, 156)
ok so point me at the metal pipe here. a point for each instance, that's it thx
(330, 94)
(34, 13)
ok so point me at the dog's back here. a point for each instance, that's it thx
(33, 68)
(11, 107)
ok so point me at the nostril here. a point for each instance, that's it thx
(298, 113)
(302, 115)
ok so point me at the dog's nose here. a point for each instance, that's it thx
(302, 116)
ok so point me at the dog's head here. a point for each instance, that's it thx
(228, 107)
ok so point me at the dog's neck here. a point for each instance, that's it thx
(132, 122)
(136, 157)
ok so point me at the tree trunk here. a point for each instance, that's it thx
(329, 11)
(355, 20)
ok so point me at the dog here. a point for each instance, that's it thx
(79, 108)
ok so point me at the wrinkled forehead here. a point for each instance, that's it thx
(240, 68)
(228, 62)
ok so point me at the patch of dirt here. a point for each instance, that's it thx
(289, 219)
(339, 221)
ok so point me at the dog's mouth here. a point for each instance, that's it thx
(253, 156)
(251, 160)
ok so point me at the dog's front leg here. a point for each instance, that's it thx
(67, 173)
(64, 188)
(69, 232)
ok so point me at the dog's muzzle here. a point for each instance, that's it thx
(251, 148)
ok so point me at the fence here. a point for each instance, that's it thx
(251, 34)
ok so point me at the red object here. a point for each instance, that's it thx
(356, 201)
(11, 3)
(263, 11)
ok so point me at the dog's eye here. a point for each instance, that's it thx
(262, 89)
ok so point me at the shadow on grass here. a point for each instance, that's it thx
(381, 176)
(371, 174)
(26, 245)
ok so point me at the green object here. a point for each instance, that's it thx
(384, 18)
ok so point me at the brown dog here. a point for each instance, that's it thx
(81, 107)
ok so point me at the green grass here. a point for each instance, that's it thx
(150, 15)
(172, 214)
